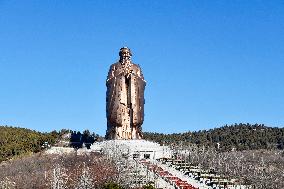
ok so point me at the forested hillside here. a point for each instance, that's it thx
(17, 141)
(238, 136)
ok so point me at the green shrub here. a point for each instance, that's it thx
(148, 186)
(112, 186)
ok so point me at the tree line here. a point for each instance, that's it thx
(78, 139)
(15, 141)
(229, 137)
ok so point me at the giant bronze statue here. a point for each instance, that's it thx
(125, 98)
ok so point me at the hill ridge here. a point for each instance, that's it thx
(237, 136)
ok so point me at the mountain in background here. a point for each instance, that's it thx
(16, 141)
(234, 137)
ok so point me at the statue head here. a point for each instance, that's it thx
(124, 54)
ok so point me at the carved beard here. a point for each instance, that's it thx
(125, 60)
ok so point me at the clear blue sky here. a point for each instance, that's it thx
(207, 63)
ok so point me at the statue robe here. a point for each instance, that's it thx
(125, 102)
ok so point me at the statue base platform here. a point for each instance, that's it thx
(136, 149)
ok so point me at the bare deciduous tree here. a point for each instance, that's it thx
(262, 169)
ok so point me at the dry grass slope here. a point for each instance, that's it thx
(53, 171)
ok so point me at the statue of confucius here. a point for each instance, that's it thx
(125, 98)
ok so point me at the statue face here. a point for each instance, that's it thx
(125, 55)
